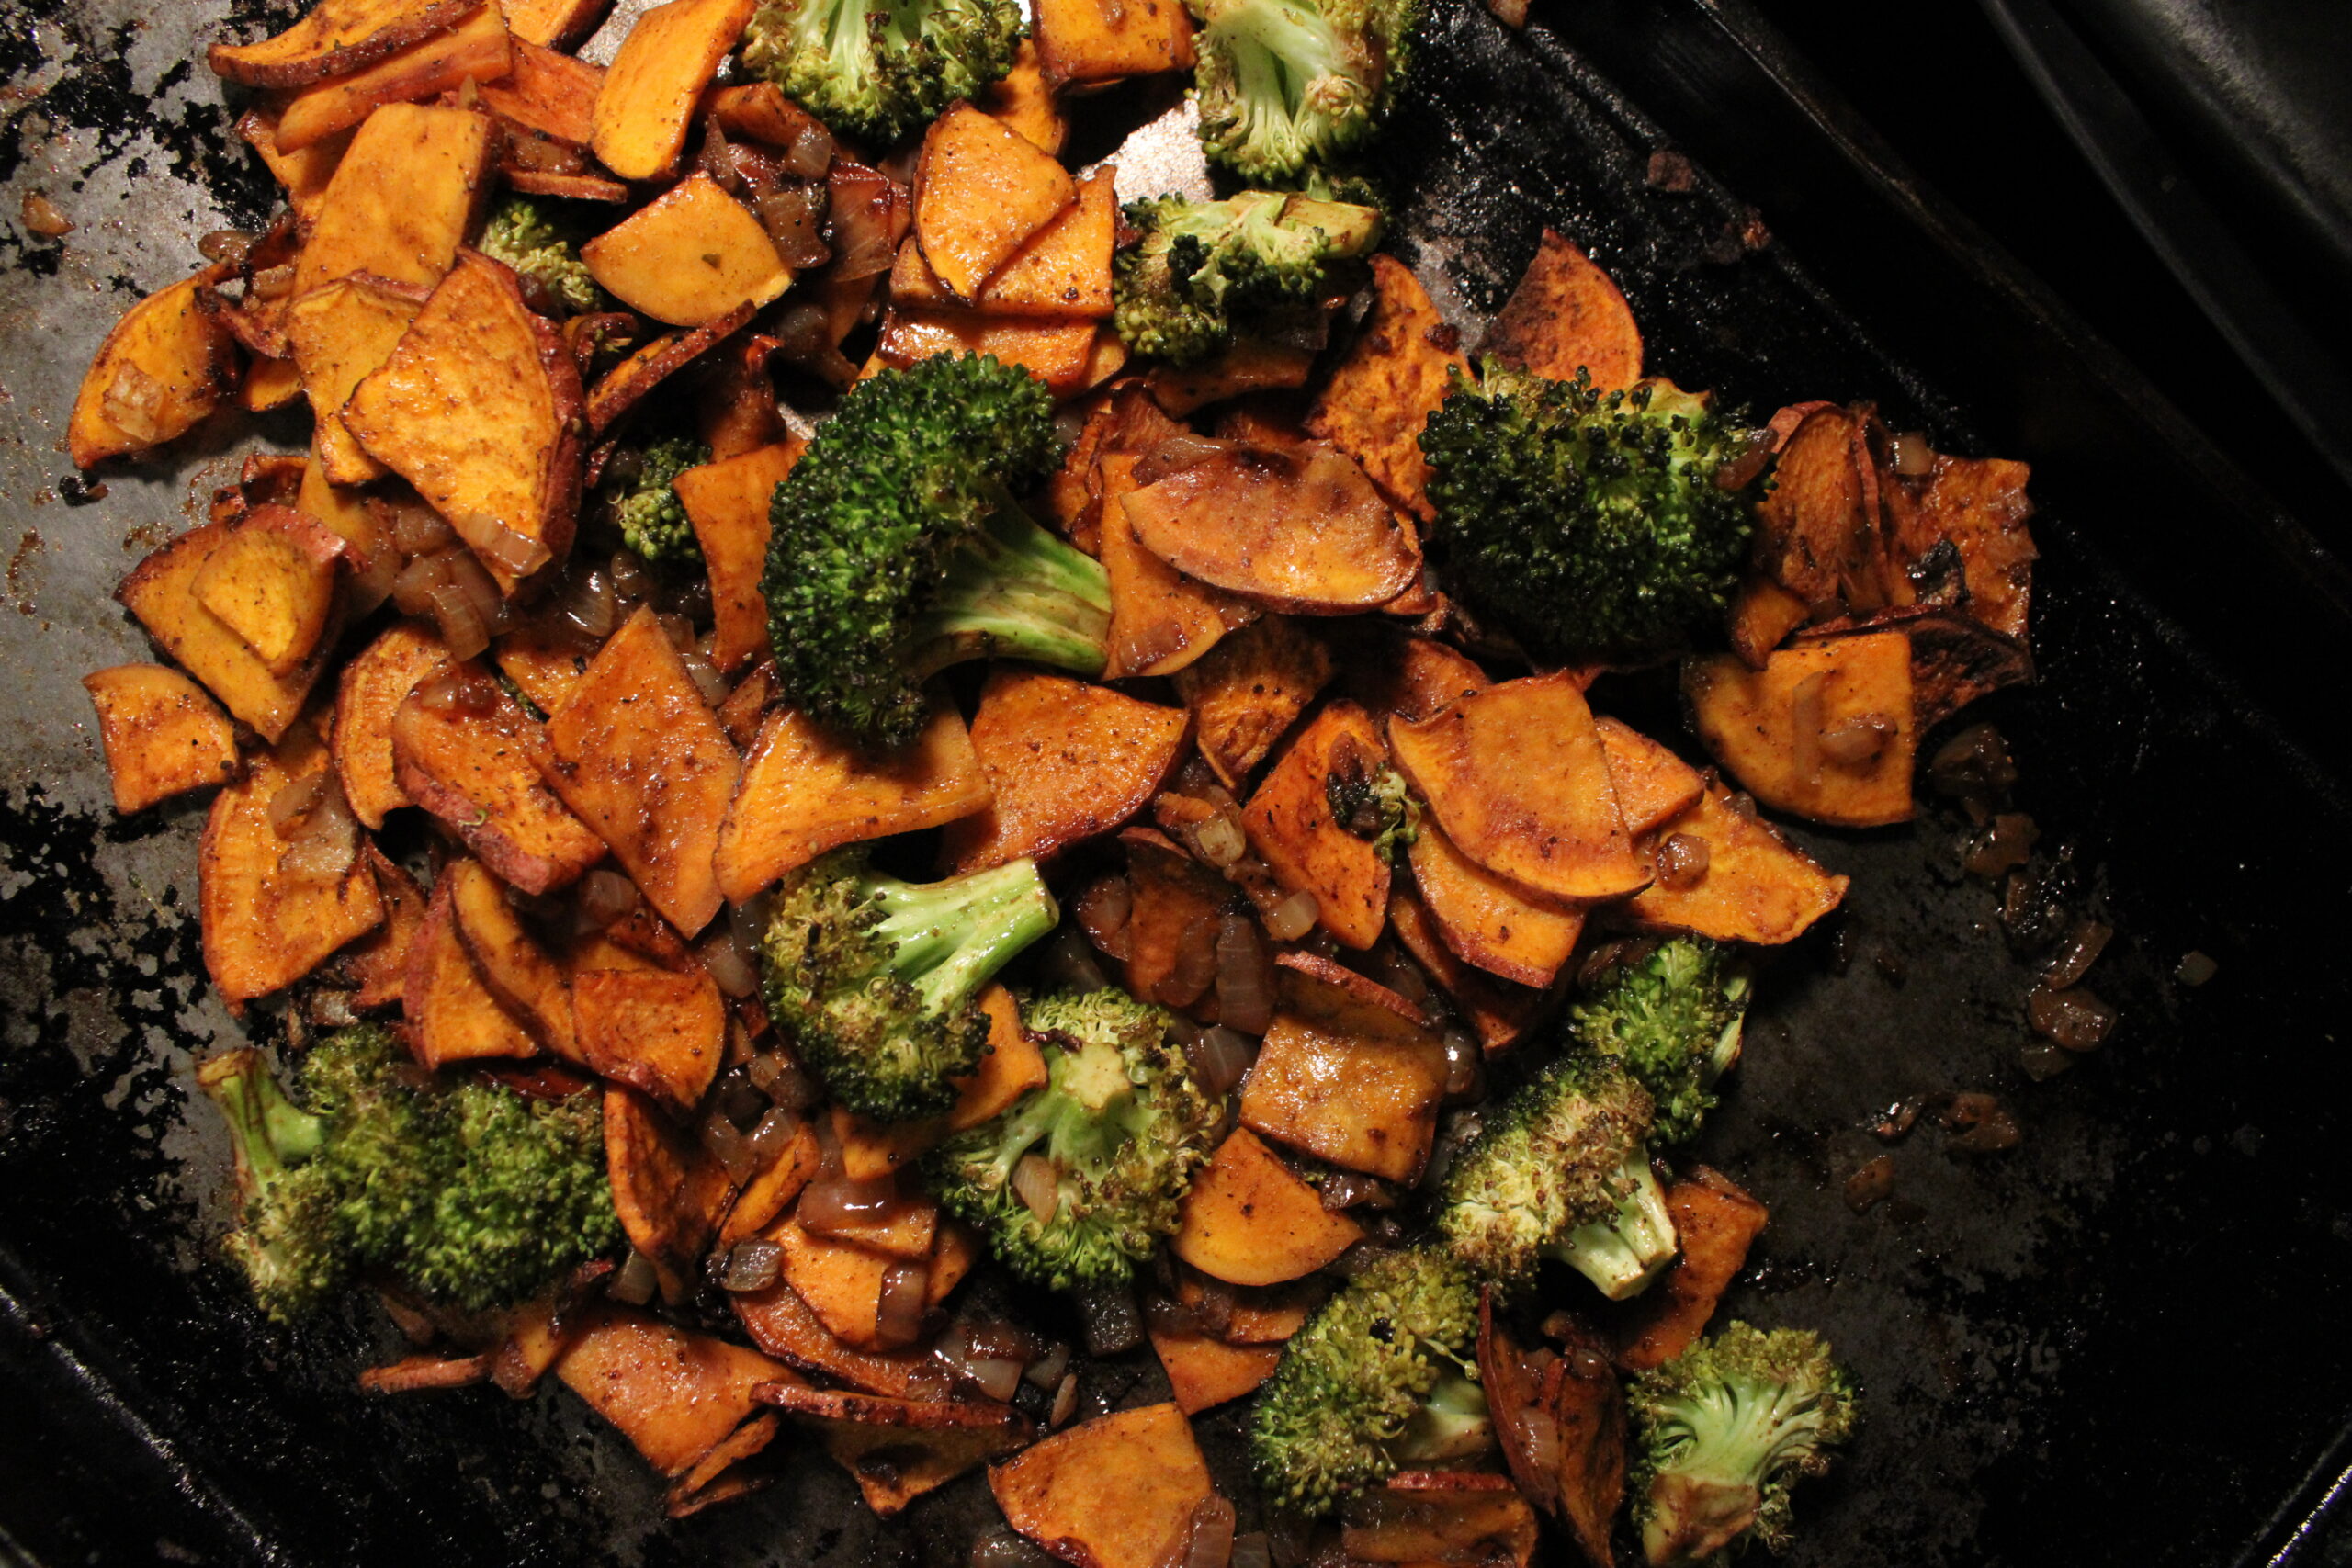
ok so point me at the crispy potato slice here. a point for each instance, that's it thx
(571, 188)
(981, 190)
(1177, 903)
(1056, 353)
(805, 792)
(1091, 42)
(691, 257)
(377, 680)
(638, 754)
(1753, 887)
(1248, 1221)
(476, 50)
(1066, 761)
(772, 1190)
(663, 1033)
(1411, 677)
(1566, 315)
(1300, 529)
(1395, 375)
(1715, 1223)
(1160, 620)
(272, 581)
(303, 175)
(627, 383)
(1247, 691)
(404, 195)
(1430, 1516)
(1500, 1012)
(674, 1396)
(1367, 1104)
(726, 501)
(163, 736)
(1062, 272)
(380, 958)
(1955, 660)
(1813, 535)
(553, 24)
(543, 662)
(546, 91)
(1653, 785)
(1023, 99)
(478, 773)
(513, 967)
(160, 592)
(1488, 920)
(780, 1323)
(1762, 616)
(659, 1175)
(1205, 1372)
(840, 1282)
(1980, 505)
(1518, 778)
(663, 64)
(1114, 1492)
(450, 1014)
(169, 362)
(336, 37)
(897, 1449)
(341, 332)
(1779, 731)
(268, 384)
(1260, 1315)
(740, 714)
(1561, 1422)
(1290, 823)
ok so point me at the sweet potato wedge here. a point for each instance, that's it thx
(1247, 691)
(475, 49)
(1062, 272)
(1056, 353)
(1716, 1222)
(726, 501)
(272, 581)
(1566, 315)
(1762, 616)
(1065, 762)
(897, 1449)
(1299, 529)
(656, 77)
(841, 1283)
(1824, 730)
(1291, 826)
(981, 190)
(478, 771)
(1160, 620)
(688, 257)
(1367, 1104)
(169, 362)
(1518, 778)
(780, 1323)
(450, 1015)
(1488, 921)
(1814, 534)
(553, 24)
(723, 1472)
(1752, 886)
(1091, 42)
(628, 383)
(346, 512)
(1252, 364)
(1248, 1221)
(1500, 1012)
(1980, 505)
(546, 91)
(773, 1189)
(160, 590)
(336, 37)
(1324, 994)
(1109, 1492)
(377, 680)
(1176, 905)
(1261, 1315)
(512, 964)
(341, 332)
(758, 111)
(1205, 1372)
(674, 1396)
(303, 175)
(1426, 1517)
(660, 1179)
(404, 195)
(268, 384)
(1023, 99)
(804, 792)
(1411, 677)
(1561, 1422)
(1395, 375)
(663, 1033)
(379, 959)
(163, 736)
(1653, 785)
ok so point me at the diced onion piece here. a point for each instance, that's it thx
(777, 1127)
(1039, 1190)
(413, 586)
(707, 679)
(751, 1266)
(1292, 917)
(1913, 455)
(903, 1288)
(794, 217)
(727, 1145)
(604, 896)
(1859, 740)
(1047, 1370)
(1465, 1063)
(1221, 839)
(1682, 861)
(296, 800)
(513, 551)
(864, 242)
(735, 975)
(632, 582)
(2075, 1019)
(462, 627)
(220, 245)
(1195, 968)
(1212, 1534)
(811, 152)
(132, 402)
(1220, 1057)
(1252, 1551)
(634, 1283)
(2084, 944)
(271, 282)
(1245, 980)
(591, 606)
(836, 1203)
(1065, 1403)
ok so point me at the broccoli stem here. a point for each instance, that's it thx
(1623, 1253)
(949, 938)
(268, 1133)
(1737, 1434)
(1452, 1423)
(1016, 592)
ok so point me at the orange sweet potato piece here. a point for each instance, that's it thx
(675, 1395)
(1754, 887)
(512, 964)
(1252, 364)
(380, 958)
(552, 24)
(1561, 1422)
(726, 501)
(268, 384)
(1247, 691)
(478, 771)
(272, 581)
(1290, 823)
(758, 111)
(1328, 994)
(451, 1016)
(163, 736)
(628, 383)
(377, 681)
(688, 257)
(160, 590)
(663, 1033)
(1160, 620)
(477, 48)
(840, 1282)
(1023, 99)
(1716, 1222)
(303, 175)
(1427, 1516)
(1412, 677)
(1566, 315)
(780, 1323)
(1653, 785)
(1518, 778)
(1105, 40)
(1500, 1012)
(1980, 505)
(1205, 1372)
(659, 1179)
(1762, 616)
(1488, 920)
(897, 1449)
(1814, 534)
(1065, 760)
(336, 37)
(1109, 1492)
(1056, 353)
(546, 91)
(1062, 272)
(1177, 903)
(346, 511)
(981, 190)
(404, 195)
(1368, 1104)
(656, 77)
(169, 362)
(341, 332)
(1395, 375)
(1248, 1221)
(773, 1189)
(1779, 731)
(638, 754)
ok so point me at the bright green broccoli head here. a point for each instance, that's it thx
(544, 249)
(1724, 1431)
(1287, 85)
(873, 980)
(1560, 1169)
(1587, 522)
(1374, 1379)
(639, 487)
(1117, 1131)
(897, 550)
(1199, 268)
(1673, 1018)
(881, 71)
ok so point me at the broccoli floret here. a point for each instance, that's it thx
(544, 251)
(1120, 1127)
(637, 488)
(881, 70)
(1372, 801)
(897, 549)
(1198, 266)
(1587, 522)
(1673, 1018)
(1285, 85)
(469, 1193)
(1560, 1169)
(1722, 1433)
(1380, 1376)
(873, 978)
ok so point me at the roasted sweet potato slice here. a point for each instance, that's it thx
(380, 958)
(168, 363)
(1653, 785)
(1562, 1421)
(1247, 691)
(403, 198)
(1328, 994)
(1205, 1372)
(1980, 505)
(1955, 660)
(656, 77)
(1566, 315)
(629, 383)
(1066, 761)
(271, 580)
(1488, 921)
(1252, 364)
(758, 111)
(1290, 824)
(1160, 620)
(897, 1449)
(347, 511)
(160, 590)
(981, 190)
(780, 1323)
(451, 1016)
(341, 332)
(1299, 529)
(1814, 534)
(1248, 1221)
(1023, 99)
(1090, 42)
(1762, 616)
(512, 964)
(546, 91)
(1260, 1315)
(1056, 353)
(1109, 1492)
(1367, 1104)
(553, 24)
(1500, 1012)
(1062, 272)
(805, 792)
(377, 680)
(690, 256)
(1411, 677)
(840, 1282)
(1716, 1222)
(1824, 730)
(163, 736)
(1750, 886)
(268, 384)
(303, 175)
(663, 1033)
(1177, 903)
(773, 1189)
(475, 49)
(1395, 375)
(656, 1172)
(335, 38)
(474, 764)
(1429, 1517)
(674, 1396)
(1518, 778)
(726, 501)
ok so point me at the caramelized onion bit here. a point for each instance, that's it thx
(2084, 944)
(903, 1287)
(132, 402)
(2005, 845)
(1207, 1539)
(1103, 910)
(41, 215)
(635, 1282)
(1914, 458)
(1035, 1184)
(605, 896)
(296, 800)
(1195, 968)
(1980, 1123)
(2075, 1019)
(1292, 916)
(1682, 861)
(1220, 1057)
(1869, 1185)
(836, 1203)
(1804, 741)
(751, 1266)
(1245, 980)
(1857, 742)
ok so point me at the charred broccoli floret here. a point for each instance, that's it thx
(1673, 1017)
(544, 251)
(873, 978)
(465, 1191)
(881, 71)
(638, 488)
(1287, 85)
(1560, 1169)
(1371, 800)
(1201, 266)
(898, 550)
(1382, 1375)
(1116, 1133)
(1587, 522)
(1722, 1433)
